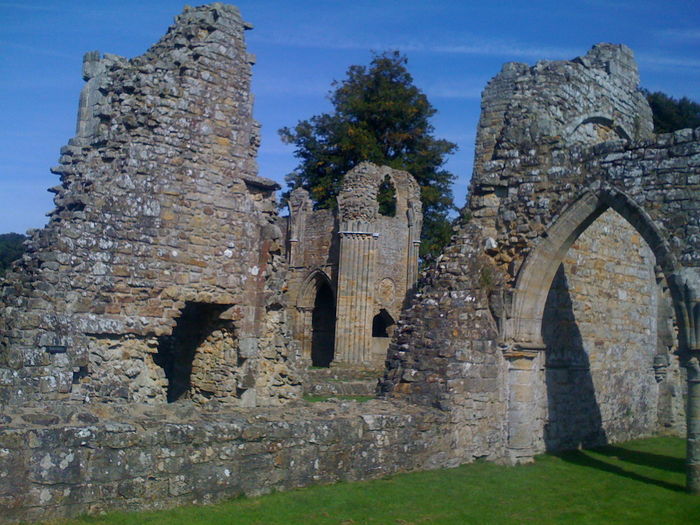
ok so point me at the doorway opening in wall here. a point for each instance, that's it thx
(323, 326)
(176, 352)
(605, 320)
(382, 329)
(382, 324)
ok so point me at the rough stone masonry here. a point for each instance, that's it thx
(163, 239)
(563, 313)
(559, 146)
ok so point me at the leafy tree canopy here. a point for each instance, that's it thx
(11, 249)
(672, 114)
(381, 117)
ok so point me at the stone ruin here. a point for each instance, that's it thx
(571, 289)
(354, 264)
(564, 312)
(162, 263)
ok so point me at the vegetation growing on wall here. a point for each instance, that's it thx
(381, 117)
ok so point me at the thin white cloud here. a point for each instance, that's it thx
(454, 92)
(291, 87)
(609, 5)
(665, 62)
(37, 50)
(29, 7)
(506, 49)
(472, 45)
(273, 145)
(680, 34)
(463, 88)
(459, 137)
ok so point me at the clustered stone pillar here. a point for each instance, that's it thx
(305, 330)
(414, 230)
(524, 366)
(299, 206)
(358, 254)
(693, 415)
(691, 355)
(693, 408)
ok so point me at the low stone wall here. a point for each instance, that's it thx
(87, 460)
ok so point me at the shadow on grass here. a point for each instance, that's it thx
(583, 459)
(645, 459)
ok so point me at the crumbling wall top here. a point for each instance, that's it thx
(586, 100)
(357, 200)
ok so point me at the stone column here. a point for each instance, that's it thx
(690, 354)
(524, 416)
(299, 208)
(415, 219)
(355, 298)
(693, 415)
(305, 316)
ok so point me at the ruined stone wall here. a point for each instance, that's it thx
(159, 210)
(378, 257)
(590, 99)
(375, 278)
(445, 353)
(77, 461)
(540, 180)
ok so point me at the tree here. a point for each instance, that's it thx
(671, 114)
(11, 249)
(381, 117)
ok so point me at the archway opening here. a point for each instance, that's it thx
(382, 329)
(177, 352)
(323, 326)
(382, 324)
(602, 333)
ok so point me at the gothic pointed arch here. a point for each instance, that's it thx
(595, 127)
(539, 268)
(317, 304)
(314, 279)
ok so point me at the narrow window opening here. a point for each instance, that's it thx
(386, 197)
(382, 324)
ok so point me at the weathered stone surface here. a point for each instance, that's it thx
(162, 228)
(545, 170)
(158, 457)
(547, 322)
(365, 261)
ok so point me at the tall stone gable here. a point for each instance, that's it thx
(161, 263)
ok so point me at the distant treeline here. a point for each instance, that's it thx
(11, 249)
(671, 114)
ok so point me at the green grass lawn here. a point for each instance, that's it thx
(637, 482)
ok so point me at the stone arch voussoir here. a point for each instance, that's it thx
(523, 327)
(310, 286)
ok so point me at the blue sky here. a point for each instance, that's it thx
(453, 48)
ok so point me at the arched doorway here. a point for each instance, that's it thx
(553, 393)
(603, 328)
(315, 319)
(383, 325)
(323, 326)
